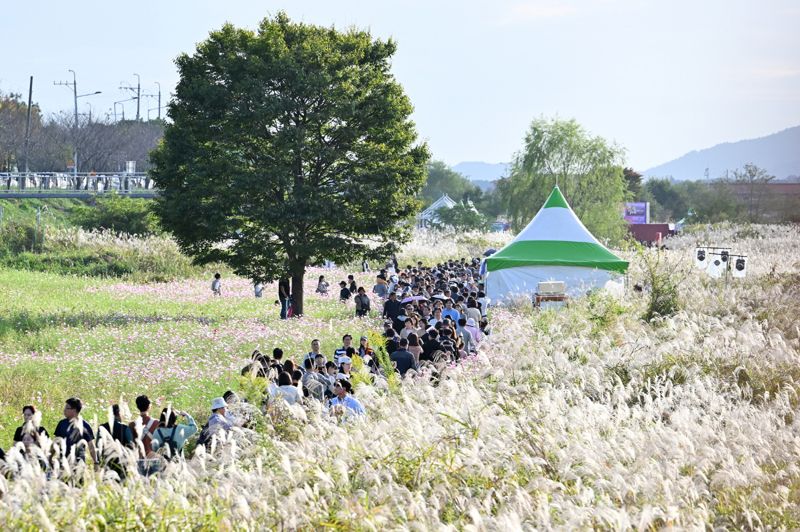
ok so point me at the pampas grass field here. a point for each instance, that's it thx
(587, 417)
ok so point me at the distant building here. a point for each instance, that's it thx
(650, 234)
(769, 202)
(429, 217)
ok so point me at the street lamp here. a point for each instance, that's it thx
(121, 104)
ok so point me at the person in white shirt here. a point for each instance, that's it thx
(216, 285)
(285, 389)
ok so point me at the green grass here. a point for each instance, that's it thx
(56, 211)
(66, 335)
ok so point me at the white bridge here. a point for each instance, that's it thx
(72, 185)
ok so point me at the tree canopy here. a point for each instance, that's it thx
(587, 169)
(462, 216)
(288, 145)
(444, 180)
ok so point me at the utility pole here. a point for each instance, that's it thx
(138, 95)
(159, 100)
(138, 90)
(75, 94)
(28, 132)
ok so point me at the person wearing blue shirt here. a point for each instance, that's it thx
(344, 399)
(170, 430)
(449, 311)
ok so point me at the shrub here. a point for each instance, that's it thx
(662, 280)
(116, 213)
(16, 237)
(71, 251)
(77, 262)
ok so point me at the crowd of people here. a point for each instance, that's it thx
(148, 440)
(432, 316)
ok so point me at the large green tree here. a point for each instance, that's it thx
(444, 180)
(587, 169)
(288, 145)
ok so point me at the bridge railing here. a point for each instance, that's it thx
(91, 182)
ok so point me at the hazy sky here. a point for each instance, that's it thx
(658, 77)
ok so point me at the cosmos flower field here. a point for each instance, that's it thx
(588, 417)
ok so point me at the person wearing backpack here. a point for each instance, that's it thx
(170, 436)
(149, 424)
(217, 423)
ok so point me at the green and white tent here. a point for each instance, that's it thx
(554, 246)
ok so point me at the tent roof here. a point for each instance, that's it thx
(555, 236)
(443, 201)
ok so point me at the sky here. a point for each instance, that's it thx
(658, 78)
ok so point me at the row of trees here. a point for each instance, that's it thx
(103, 145)
(745, 195)
(591, 175)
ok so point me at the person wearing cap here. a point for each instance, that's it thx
(218, 420)
(472, 328)
(345, 364)
(344, 400)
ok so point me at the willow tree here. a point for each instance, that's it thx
(587, 169)
(288, 145)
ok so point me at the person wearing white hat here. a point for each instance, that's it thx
(345, 364)
(472, 328)
(218, 421)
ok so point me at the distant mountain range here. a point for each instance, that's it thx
(778, 154)
(482, 174)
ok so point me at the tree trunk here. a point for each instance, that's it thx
(298, 271)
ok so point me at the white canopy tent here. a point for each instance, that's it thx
(554, 246)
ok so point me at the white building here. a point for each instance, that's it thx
(429, 217)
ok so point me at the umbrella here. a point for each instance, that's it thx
(489, 252)
(412, 299)
(440, 296)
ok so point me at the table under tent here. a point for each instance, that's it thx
(554, 249)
